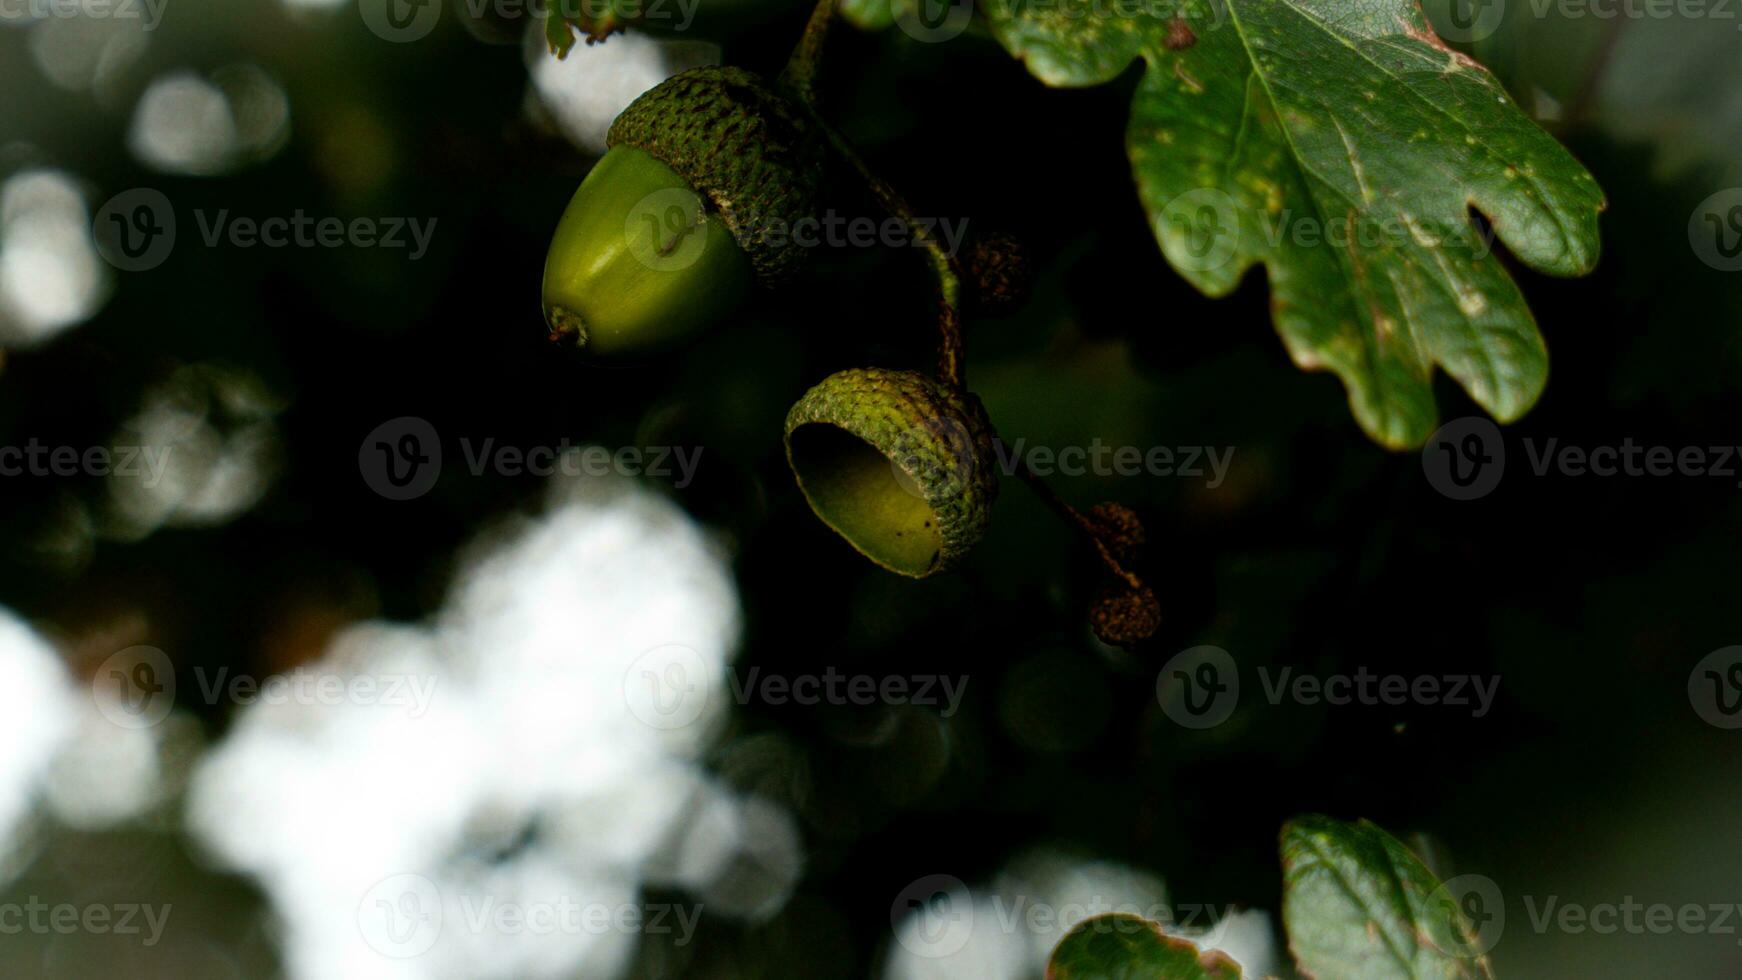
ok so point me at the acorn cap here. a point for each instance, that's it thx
(898, 464)
(745, 148)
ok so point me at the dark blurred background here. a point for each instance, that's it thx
(1594, 778)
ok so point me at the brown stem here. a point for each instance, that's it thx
(800, 74)
(1087, 528)
(945, 267)
(1586, 96)
(799, 78)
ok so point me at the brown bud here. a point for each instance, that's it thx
(998, 268)
(1124, 616)
(1120, 528)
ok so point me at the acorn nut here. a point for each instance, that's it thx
(706, 175)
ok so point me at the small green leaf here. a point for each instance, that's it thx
(1341, 146)
(1125, 947)
(556, 32)
(596, 21)
(1358, 905)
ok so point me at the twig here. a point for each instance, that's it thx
(1591, 84)
(800, 74)
(799, 78)
(1083, 526)
(945, 267)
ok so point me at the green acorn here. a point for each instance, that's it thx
(898, 464)
(707, 174)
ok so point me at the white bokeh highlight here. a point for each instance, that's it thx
(207, 446)
(187, 123)
(51, 277)
(584, 92)
(526, 782)
(37, 713)
(1007, 929)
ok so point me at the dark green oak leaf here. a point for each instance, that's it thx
(1342, 146)
(1359, 905)
(1126, 947)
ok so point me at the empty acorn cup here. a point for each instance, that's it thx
(898, 464)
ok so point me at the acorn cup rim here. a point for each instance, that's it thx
(959, 502)
(937, 564)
